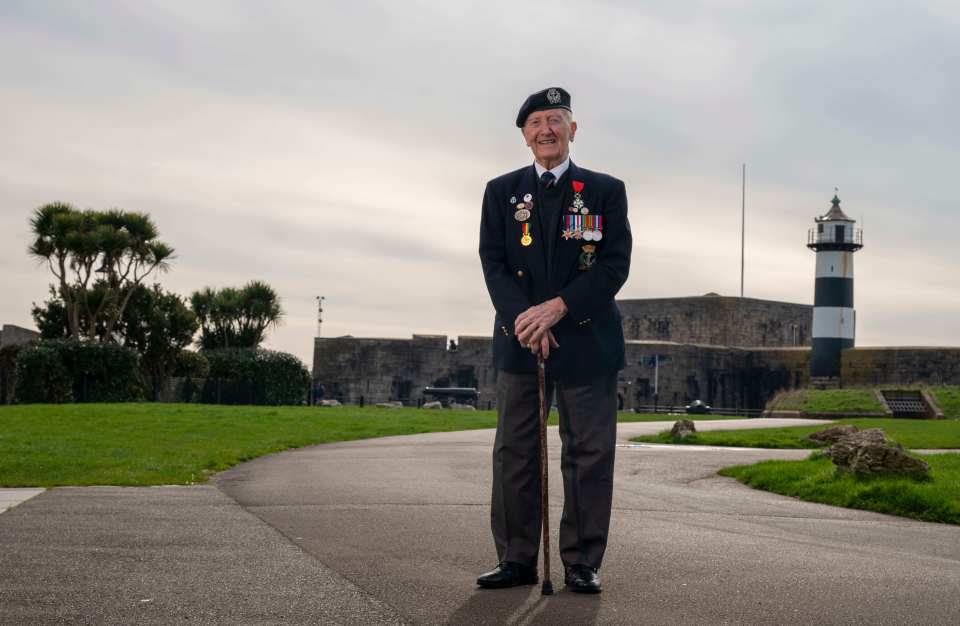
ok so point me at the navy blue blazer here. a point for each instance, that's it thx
(517, 276)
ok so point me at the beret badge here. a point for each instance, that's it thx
(553, 96)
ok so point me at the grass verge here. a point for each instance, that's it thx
(948, 399)
(157, 444)
(816, 480)
(931, 434)
(828, 401)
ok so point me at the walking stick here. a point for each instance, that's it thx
(547, 588)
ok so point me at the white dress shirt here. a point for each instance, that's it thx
(557, 171)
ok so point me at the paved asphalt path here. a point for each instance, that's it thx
(396, 530)
(406, 519)
(162, 555)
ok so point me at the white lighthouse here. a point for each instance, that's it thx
(834, 239)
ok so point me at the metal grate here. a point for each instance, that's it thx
(906, 403)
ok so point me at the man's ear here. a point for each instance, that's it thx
(525, 140)
(573, 130)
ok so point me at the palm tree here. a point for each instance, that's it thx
(236, 318)
(121, 246)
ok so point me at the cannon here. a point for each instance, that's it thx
(698, 407)
(462, 395)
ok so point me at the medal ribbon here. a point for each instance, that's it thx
(525, 228)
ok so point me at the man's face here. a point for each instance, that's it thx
(548, 133)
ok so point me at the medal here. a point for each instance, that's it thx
(598, 231)
(578, 206)
(527, 197)
(526, 239)
(588, 228)
(513, 199)
(521, 215)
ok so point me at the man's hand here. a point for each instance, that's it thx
(543, 346)
(532, 325)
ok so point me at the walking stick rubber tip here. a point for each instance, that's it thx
(547, 589)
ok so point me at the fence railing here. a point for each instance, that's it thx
(681, 410)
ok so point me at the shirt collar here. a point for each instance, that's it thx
(558, 171)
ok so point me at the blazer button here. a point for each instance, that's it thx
(519, 273)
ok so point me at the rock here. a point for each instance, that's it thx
(329, 403)
(868, 453)
(682, 428)
(832, 434)
(393, 404)
(433, 404)
(462, 407)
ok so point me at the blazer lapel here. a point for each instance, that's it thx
(534, 255)
(566, 251)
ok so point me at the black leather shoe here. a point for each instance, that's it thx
(582, 579)
(508, 574)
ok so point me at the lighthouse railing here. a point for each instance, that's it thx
(828, 236)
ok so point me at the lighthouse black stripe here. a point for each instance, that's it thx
(825, 356)
(836, 292)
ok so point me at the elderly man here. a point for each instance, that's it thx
(555, 249)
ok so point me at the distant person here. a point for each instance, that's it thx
(318, 392)
(555, 248)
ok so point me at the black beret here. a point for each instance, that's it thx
(552, 98)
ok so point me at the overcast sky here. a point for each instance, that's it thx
(342, 148)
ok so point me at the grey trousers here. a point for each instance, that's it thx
(588, 432)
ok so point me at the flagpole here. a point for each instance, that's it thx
(743, 224)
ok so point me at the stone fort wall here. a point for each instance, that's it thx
(718, 321)
(879, 366)
(370, 370)
(16, 335)
(727, 354)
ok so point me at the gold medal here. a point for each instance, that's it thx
(526, 239)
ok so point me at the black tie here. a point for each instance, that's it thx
(548, 180)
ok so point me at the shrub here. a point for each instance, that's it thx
(42, 376)
(191, 365)
(245, 376)
(8, 372)
(191, 369)
(66, 370)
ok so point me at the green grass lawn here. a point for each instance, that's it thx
(948, 398)
(856, 400)
(156, 444)
(829, 400)
(931, 434)
(816, 480)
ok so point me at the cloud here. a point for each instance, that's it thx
(341, 149)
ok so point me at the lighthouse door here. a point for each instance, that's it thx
(838, 237)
